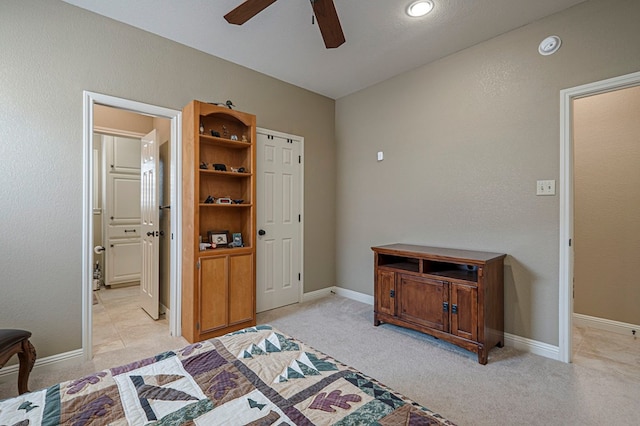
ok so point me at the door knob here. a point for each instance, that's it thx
(262, 232)
(150, 234)
(99, 249)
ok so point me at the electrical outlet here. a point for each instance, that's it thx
(546, 187)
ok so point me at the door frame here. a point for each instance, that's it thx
(300, 139)
(566, 199)
(89, 100)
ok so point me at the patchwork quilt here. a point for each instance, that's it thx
(256, 376)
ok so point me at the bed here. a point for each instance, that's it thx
(255, 376)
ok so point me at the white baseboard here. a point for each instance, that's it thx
(318, 294)
(521, 343)
(164, 310)
(350, 294)
(605, 324)
(70, 359)
(532, 346)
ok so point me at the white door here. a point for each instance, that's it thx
(279, 199)
(149, 281)
(121, 219)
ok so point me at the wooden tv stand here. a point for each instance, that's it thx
(454, 295)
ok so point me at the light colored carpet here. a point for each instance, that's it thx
(514, 388)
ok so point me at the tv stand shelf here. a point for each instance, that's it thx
(454, 295)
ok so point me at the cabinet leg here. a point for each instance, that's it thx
(376, 321)
(483, 356)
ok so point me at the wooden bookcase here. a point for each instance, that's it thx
(218, 284)
(454, 295)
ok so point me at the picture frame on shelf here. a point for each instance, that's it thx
(237, 239)
(219, 238)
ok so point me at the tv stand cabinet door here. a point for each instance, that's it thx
(464, 311)
(385, 302)
(423, 301)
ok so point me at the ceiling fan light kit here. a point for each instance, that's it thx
(324, 11)
(419, 8)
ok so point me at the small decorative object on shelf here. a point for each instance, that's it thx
(218, 238)
(201, 128)
(237, 239)
(209, 200)
(227, 104)
(225, 131)
(234, 137)
(223, 200)
(204, 166)
(219, 167)
(238, 201)
(214, 133)
(244, 138)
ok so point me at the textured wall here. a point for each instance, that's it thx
(51, 52)
(465, 139)
(607, 205)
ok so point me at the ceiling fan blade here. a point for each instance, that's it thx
(328, 22)
(247, 10)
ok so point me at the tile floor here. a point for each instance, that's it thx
(119, 323)
(614, 353)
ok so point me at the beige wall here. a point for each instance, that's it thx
(607, 205)
(465, 139)
(109, 118)
(51, 52)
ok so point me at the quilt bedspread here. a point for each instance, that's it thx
(256, 376)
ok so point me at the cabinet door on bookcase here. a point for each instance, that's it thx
(241, 288)
(213, 293)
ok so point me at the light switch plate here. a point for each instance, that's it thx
(546, 187)
(380, 156)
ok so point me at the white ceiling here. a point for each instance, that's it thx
(382, 41)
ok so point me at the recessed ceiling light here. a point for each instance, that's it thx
(419, 8)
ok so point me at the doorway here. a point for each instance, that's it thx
(92, 100)
(119, 277)
(567, 207)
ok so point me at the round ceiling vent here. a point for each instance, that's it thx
(549, 45)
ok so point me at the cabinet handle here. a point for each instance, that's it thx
(392, 293)
(129, 230)
(454, 309)
(445, 306)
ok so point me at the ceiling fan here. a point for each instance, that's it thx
(324, 11)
